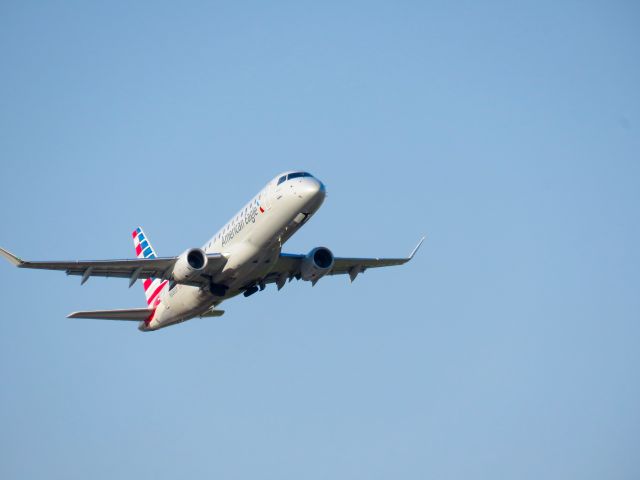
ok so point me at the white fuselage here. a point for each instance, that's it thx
(251, 241)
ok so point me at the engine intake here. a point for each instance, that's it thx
(189, 264)
(316, 264)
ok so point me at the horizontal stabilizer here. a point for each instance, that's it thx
(132, 314)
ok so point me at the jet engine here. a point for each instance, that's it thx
(316, 264)
(189, 264)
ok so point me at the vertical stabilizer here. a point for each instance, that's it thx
(152, 286)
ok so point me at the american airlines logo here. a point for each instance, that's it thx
(237, 227)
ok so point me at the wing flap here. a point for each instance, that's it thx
(102, 267)
(343, 265)
(131, 314)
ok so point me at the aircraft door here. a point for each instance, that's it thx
(278, 188)
(268, 200)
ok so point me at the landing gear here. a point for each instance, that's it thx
(217, 289)
(250, 291)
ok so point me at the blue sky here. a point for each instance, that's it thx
(508, 133)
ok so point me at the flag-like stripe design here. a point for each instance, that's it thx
(152, 286)
(156, 292)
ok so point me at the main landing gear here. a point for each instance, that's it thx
(250, 291)
(254, 288)
(218, 290)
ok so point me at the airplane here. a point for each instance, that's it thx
(242, 257)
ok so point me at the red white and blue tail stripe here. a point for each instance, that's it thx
(152, 286)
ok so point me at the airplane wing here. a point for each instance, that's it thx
(133, 269)
(288, 265)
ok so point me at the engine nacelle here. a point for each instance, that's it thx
(189, 264)
(316, 264)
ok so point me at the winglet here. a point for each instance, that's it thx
(417, 247)
(11, 257)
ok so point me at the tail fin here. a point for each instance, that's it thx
(152, 286)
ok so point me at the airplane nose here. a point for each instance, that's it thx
(312, 187)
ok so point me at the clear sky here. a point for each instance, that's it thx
(507, 132)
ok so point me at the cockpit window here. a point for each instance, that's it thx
(282, 179)
(291, 176)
